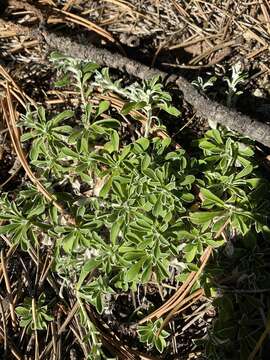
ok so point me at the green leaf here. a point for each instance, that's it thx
(187, 197)
(64, 81)
(151, 174)
(108, 123)
(133, 273)
(170, 109)
(25, 321)
(27, 136)
(115, 141)
(190, 252)
(214, 243)
(99, 303)
(7, 229)
(116, 227)
(141, 145)
(22, 311)
(246, 171)
(255, 182)
(90, 67)
(214, 133)
(132, 106)
(147, 272)
(160, 344)
(67, 114)
(240, 222)
(189, 179)
(68, 152)
(69, 242)
(158, 207)
(113, 144)
(146, 161)
(106, 187)
(102, 107)
(202, 217)
(211, 199)
(89, 266)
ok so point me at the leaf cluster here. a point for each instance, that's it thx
(141, 208)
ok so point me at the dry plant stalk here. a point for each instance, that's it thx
(178, 299)
(9, 291)
(261, 340)
(85, 23)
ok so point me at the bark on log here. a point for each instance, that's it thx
(204, 107)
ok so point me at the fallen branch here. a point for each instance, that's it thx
(204, 107)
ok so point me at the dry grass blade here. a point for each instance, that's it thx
(266, 17)
(196, 275)
(2, 312)
(29, 7)
(34, 313)
(123, 4)
(16, 91)
(69, 4)
(178, 297)
(114, 344)
(10, 252)
(9, 291)
(196, 294)
(86, 23)
(70, 315)
(168, 305)
(12, 348)
(180, 9)
(131, 9)
(187, 285)
(25, 45)
(217, 47)
(259, 343)
(191, 299)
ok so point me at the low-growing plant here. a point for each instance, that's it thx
(238, 76)
(140, 207)
(149, 334)
(34, 315)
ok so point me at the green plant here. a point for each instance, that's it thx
(202, 84)
(140, 207)
(150, 97)
(237, 77)
(34, 315)
(149, 334)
